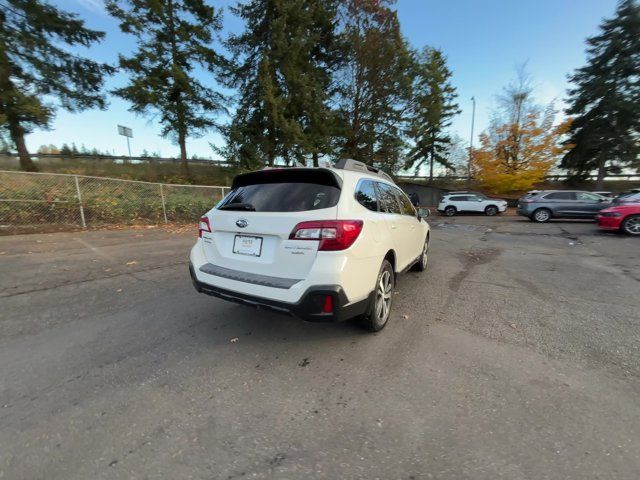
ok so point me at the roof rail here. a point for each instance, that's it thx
(356, 166)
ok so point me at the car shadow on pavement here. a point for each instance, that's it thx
(241, 325)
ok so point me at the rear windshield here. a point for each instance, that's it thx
(283, 191)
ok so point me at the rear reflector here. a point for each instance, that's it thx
(328, 304)
(332, 234)
(204, 226)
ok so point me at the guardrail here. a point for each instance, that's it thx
(50, 201)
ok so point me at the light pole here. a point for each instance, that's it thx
(473, 118)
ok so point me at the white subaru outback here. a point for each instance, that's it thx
(323, 244)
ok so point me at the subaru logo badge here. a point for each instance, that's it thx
(241, 222)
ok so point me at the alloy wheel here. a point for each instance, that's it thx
(632, 225)
(542, 215)
(491, 211)
(425, 256)
(383, 297)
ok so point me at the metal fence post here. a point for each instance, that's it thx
(221, 193)
(84, 224)
(164, 208)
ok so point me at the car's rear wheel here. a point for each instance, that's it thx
(421, 265)
(631, 225)
(491, 210)
(541, 215)
(380, 309)
(450, 211)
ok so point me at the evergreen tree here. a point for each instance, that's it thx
(34, 65)
(173, 37)
(282, 70)
(315, 59)
(65, 150)
(432, 108)
(374, 84)
(605, 99)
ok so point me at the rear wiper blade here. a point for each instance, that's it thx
(247, 207)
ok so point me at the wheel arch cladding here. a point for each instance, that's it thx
(391, 257)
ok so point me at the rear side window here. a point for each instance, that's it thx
(283, 191)
(459, 198)
(560, 196)
(366, 195)
(388, 201)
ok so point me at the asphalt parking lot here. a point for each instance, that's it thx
(516, 355)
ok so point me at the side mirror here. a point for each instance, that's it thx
(423, 212)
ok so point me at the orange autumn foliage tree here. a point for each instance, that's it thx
(516, 156)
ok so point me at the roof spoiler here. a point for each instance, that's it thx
(318, 176)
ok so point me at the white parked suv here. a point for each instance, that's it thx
(323, 244)
(457, 202)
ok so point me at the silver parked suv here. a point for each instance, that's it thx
(543, 205)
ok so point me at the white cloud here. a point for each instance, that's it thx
(96, 6)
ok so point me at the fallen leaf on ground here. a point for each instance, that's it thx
(405, 316)
(107, 269)
(2, 253)
(234, 340)
(132, 262)
(514, 326)
(304, 362)
(119, 290)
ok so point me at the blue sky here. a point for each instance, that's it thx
(484, 40)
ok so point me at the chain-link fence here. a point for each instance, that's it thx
(47, 202)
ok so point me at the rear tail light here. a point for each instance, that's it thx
(332, 234)
(204, 226)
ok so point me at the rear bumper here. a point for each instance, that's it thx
(308, 308)
(524, 210)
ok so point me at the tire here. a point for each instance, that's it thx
(631, 225)
(491, 210)
(541, 215)
(380, 309)
(421, 265)
(450, 211)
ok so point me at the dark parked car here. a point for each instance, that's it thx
(632, 196)
(542, 206)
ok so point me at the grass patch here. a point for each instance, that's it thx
(148, 171)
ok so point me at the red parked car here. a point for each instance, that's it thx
(623, 216)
